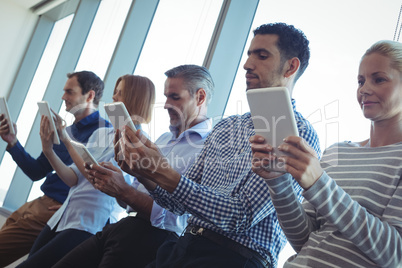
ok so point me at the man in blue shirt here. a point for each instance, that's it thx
(134, 240)
(82, 93)
(233, 222)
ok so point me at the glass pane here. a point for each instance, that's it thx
(35, 94)
(180, 34)
(97, 51)
(101, 41)
(339, 33)
(103, 36)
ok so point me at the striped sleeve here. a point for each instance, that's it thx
(293, 219)
(379, 238)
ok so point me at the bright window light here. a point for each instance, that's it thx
(180, 34)
(35, 94)
(339, 34)
(101, 42)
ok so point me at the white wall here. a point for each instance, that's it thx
(16, 26)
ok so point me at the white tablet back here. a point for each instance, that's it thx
(273, 117)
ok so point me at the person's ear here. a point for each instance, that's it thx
(292, 66)
(91, 96)
(201, 96)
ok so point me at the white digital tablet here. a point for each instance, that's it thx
(119, 116)
(83, 151)
(273, 117)
(44, 109)
(4, 110)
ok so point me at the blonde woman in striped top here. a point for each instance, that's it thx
(352, 212)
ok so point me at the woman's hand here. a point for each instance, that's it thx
(60, 124)
(302, 163)
(107, 178)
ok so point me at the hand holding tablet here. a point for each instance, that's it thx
(273, 118)
(84, 153)
(44, 109)
(4, 110)
(119, 116)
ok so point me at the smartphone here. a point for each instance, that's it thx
(44, 109)
(273, 118)
(4, 110)
(85, 154)
(119, 116)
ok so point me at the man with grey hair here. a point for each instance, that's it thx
(180, 104)
(134, 240)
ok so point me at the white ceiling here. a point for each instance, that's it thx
(27, 3)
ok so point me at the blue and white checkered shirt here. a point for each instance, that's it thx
(224, 195)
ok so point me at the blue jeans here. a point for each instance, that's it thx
(50, 246)
(197, 251)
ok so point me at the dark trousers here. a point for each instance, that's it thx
(131, 242)
(197, 251)
(51, 246)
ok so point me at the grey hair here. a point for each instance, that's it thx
(195, 77)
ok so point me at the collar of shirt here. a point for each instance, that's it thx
(203, 128)
(90, 119)
(294, 104)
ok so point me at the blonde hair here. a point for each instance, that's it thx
(138, 95)
(389, 49)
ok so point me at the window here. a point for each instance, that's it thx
(35, 94)
(339, 33)
(180, 34)
(101, 42)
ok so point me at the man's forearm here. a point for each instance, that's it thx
(141, 202)
(168, 180)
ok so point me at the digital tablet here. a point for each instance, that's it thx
(85, 154)
(44, 109)
(119, 116)
(4, 110)
(273, 117)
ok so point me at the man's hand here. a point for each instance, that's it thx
(5, 134)
(108, 179)
(262, 157)
(302, 162)
(140, 157)
(46, 135)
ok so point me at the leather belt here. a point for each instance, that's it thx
(227, 243)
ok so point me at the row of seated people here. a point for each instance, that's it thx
(203, 196)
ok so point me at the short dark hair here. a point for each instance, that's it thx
(291, 43)
(195, 77)
(89, 81)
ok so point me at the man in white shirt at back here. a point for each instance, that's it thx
(134, 240)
